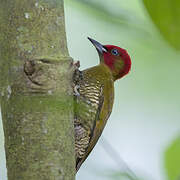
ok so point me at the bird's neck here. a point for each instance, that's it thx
(117, 70)
(100, 72)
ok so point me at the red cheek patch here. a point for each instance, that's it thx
(109, 60)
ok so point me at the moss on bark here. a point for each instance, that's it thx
(35, 90)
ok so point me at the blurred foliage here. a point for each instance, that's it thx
(124, 176)
(166, 16)
(164, 13)
(121, 175)
(125, 172)
(120, 16)
(172, 160)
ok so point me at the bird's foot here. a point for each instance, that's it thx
(76, 92)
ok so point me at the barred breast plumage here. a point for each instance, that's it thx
(93, 105)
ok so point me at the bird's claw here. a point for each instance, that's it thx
(76, 63)
(76, 92)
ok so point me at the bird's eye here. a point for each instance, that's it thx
(115, 52)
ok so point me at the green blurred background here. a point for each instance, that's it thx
(144, 127)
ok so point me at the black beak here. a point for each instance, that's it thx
(100, 48)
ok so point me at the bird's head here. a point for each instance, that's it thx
(116, 58)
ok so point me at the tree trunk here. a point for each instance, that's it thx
(35, 90)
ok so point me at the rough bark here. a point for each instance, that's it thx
(35, 90)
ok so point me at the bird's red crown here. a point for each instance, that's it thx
(117, 59)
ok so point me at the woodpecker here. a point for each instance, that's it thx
(94, 96)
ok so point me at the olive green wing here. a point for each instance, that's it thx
(94, 133)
